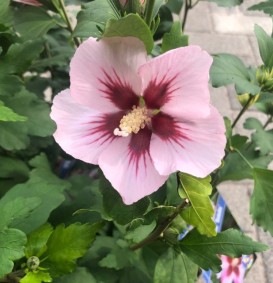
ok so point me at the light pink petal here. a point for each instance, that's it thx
(195, 147)
(239, 278)
(126, 163)
(29, 2)
(82, 132)
(226, 277)
(177, 82)
(103, 73)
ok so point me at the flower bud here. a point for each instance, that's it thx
(245, 97)
(33, 262)
(264, 77)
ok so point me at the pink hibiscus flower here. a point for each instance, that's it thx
(29, 2)
(232, 270)
(138, 119)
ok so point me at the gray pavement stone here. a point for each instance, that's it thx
(239, 128)
(233, 21)
(255, 49)
(202, 13)
(266, 238)
(257, 273)
(236, 195)
(235, 104)
(220, 43)
(247, 4)
(220, 99)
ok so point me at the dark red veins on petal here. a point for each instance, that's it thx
(139, 147)
(105, 126)
(168, 129)
(160, 92)
(118, 92)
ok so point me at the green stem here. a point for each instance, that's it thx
(186, 10)
(69, 25)
(13, 277)
(149, 12)
(243, 110)
(160, 228)
(269, 120)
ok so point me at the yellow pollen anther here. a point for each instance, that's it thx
(132, 122)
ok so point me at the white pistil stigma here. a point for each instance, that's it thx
(133, 122)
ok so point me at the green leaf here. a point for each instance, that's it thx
(16, 210)
(262, 139)
(13, 168)
(5, 12)
(36, 241)
(157, 6)
(32, 22)
(134, 274)
(36, 110)
(9, 84)
(116, 209)
(227, 3)
(235, 168)
(200, 212)
(265, 45)
(92, 16)
(12, 243)
(175, 6)
(36, 277)
(229, 69)
(80, 275)
(159, 213)
(65, 245)
(204, 250)
(43, 184)
(16, 134)
(140, 232)
(261, 205)
(83, 201)
(266, 7)
(10, 63)
(130, 25)
(7, 114)
(13, 136)
(117, 259)
(173, 267)
(174, 38)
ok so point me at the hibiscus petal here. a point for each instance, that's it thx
(30, 2)
(82, 132)
(239, 278)
(127, 164)
(226, 276)
(195, 147)
(103, 73)
(177, 82)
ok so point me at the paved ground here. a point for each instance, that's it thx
(230, 30)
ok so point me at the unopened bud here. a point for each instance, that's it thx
(33, 262)
(264, 77)
(247, 98)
